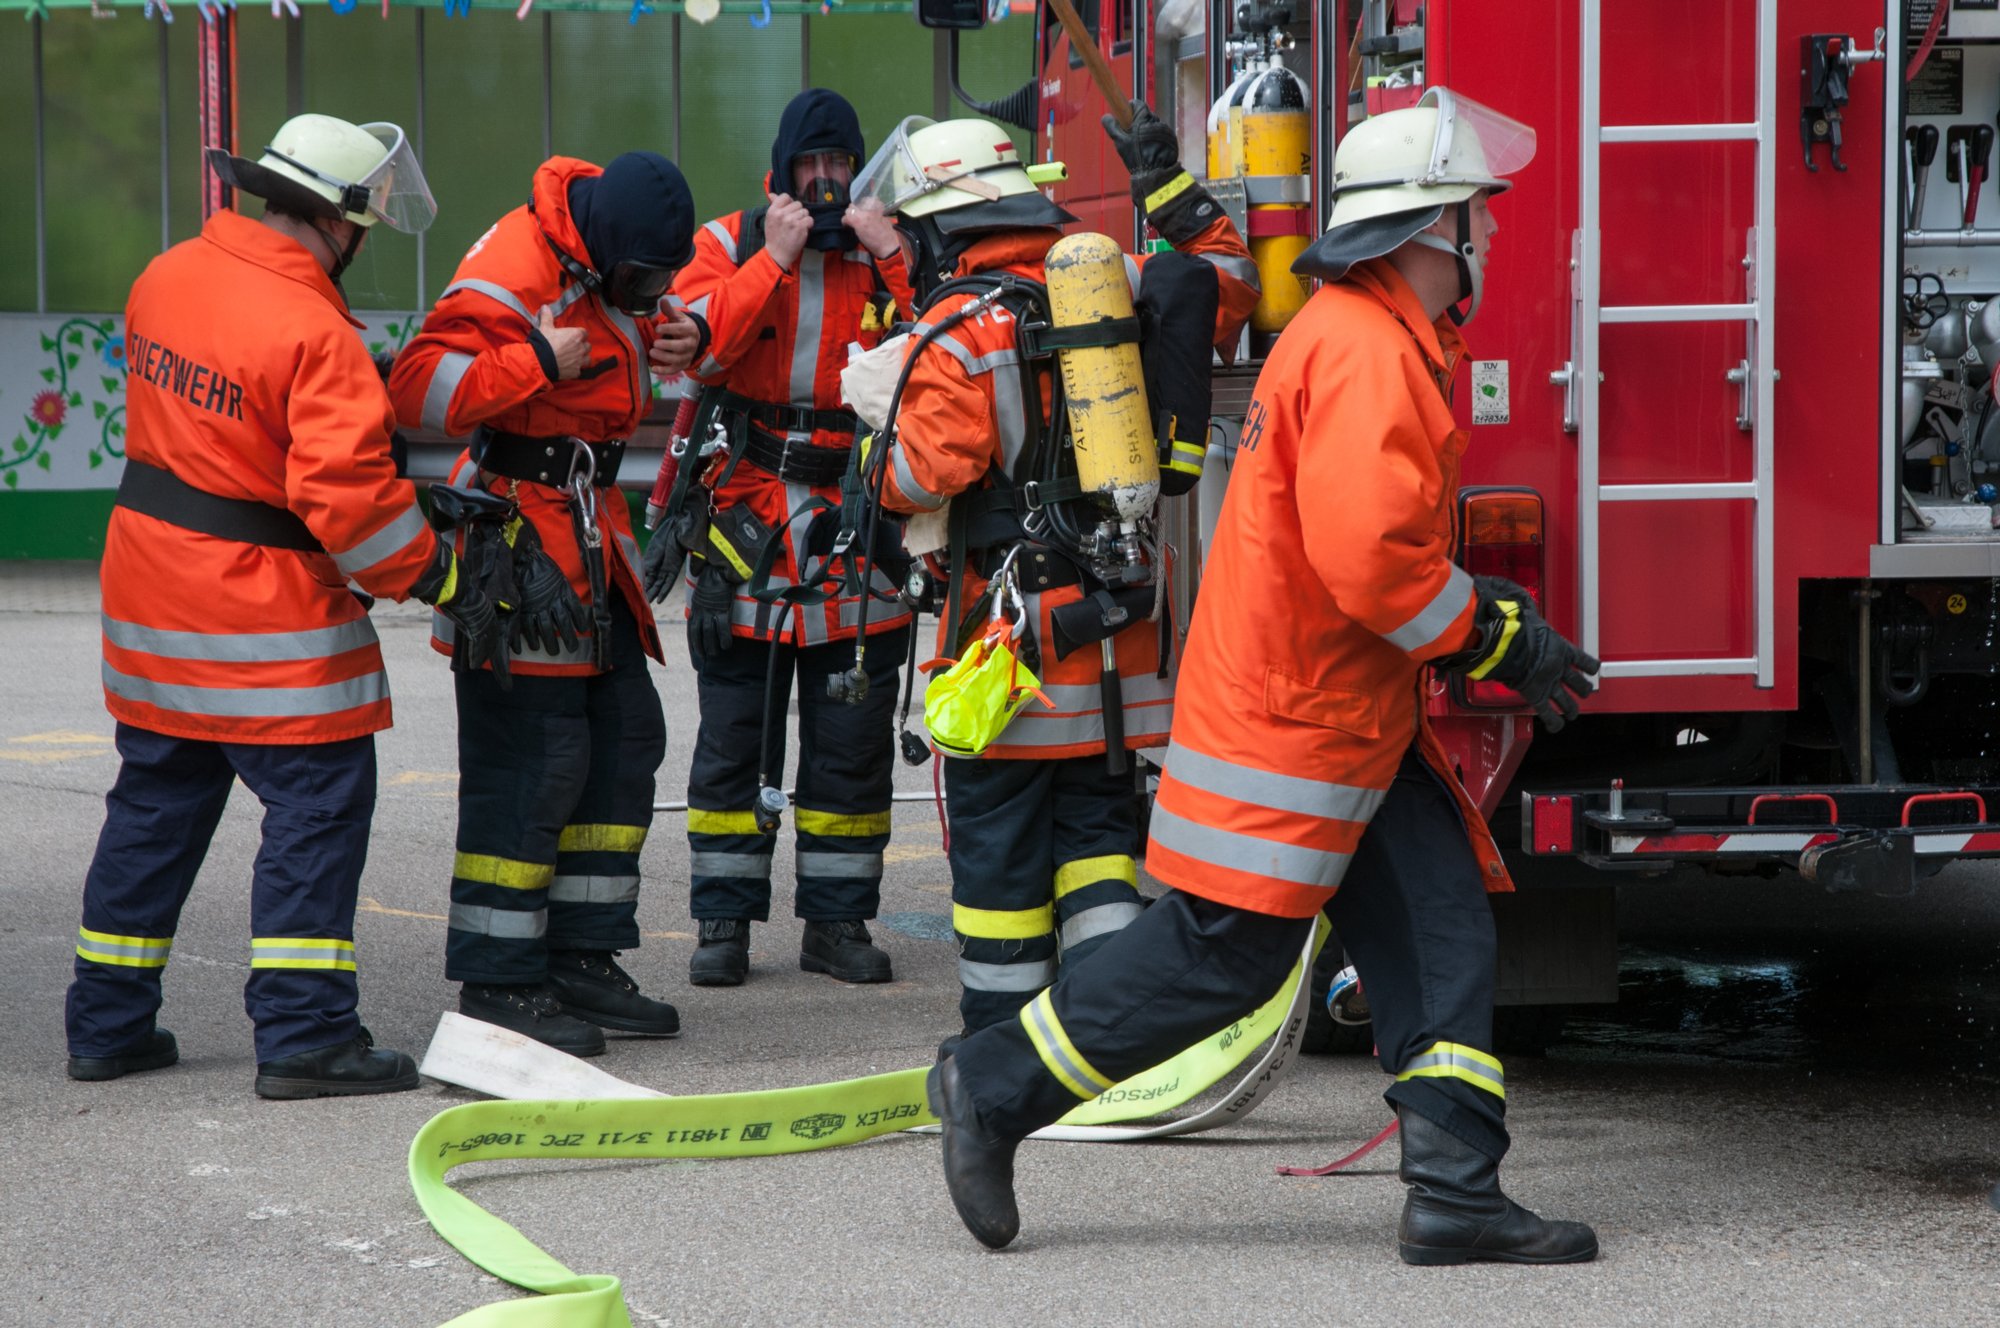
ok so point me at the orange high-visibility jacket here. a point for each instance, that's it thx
(963, 418)
(474, 363)
(781, 337)
(1328, 585)
(246, 378)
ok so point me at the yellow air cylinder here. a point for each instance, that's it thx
(1111, 424)
(1277, 142)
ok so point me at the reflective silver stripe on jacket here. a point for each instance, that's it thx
(570, 295)
(722, 235)
(1087, 697)
(699, 306)
(907, 482)
(861, 866)
(1248, 853)
(250, 702)
(1268, 788)
(1010, 417)
(621, 889)
(1432, 620)
(1032, 976)
(1243, 269)
(806, 331)
(492, 291)
(1098, 921)
(1134, 274)
(509, 923)
(629, 329)
(754, 866)
(1068, 730)
(391, 539)
(240, 647)
(445, 378)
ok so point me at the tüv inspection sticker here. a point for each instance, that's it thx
(1489, 391)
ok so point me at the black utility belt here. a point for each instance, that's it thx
(799, 463)
(781, 417)
(554, 461)
(165, 496)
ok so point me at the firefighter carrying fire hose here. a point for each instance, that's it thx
(258, 483)
(1301, 763)
(539, 350)
(787, 288)
(1043, 821)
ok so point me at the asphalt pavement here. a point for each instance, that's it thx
(1790, 1119)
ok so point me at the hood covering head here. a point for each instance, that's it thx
(817, 120)
(639, 211)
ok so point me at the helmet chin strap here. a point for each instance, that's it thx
(1471, 274)
(341, 256)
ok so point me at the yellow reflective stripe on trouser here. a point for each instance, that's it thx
(1073, 876)
(300, 952)
(1187, 457)
(842, 825)
(601, 839)
(102, 947)
(1052, 1044)
(1452, 1060)
(508, 872)
(702, 822)
(993, 924)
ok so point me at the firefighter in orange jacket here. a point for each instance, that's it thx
(787, 288)
(258, 483)
(1301, 759)
(539, 350)
(1044, 827)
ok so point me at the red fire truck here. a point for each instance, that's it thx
(1731, 402)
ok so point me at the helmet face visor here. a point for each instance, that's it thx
(1474, 144)
(637, 288)
(397, 191)
(894, 175)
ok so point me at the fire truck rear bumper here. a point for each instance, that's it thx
(1862, 837)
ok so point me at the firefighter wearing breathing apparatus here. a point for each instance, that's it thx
(258, 485)
(539, 350)
(787, 288)
(1049, 414)
(1302, 773)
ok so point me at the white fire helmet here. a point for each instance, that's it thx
(321, 166)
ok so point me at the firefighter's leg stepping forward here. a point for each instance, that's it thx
(1002, 879)
(159, 819)
(523, 758)
(1413, 914)
(729, 859)
(1183, 969)
(846, 768)
(593, 896)
(1096, 825)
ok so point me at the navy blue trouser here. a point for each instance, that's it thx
(159, 818)
(555, 795)
(1413, 915)
(1042, 867)
(842, 798)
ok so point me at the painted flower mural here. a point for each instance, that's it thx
(48, 412)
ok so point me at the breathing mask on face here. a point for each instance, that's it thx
(825, 196)
(637, 288)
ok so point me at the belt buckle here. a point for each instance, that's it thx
(1031, 493)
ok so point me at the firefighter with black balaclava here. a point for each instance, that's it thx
(787, 287)
(540, 349)
(1043, 822)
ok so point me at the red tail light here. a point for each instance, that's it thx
(1500, 534)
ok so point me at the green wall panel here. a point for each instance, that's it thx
(17, 164)
(736, 80)
(850, 53)
(65, 523)
(611, 86)
(101, 100)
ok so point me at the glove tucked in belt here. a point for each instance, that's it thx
(548, 616)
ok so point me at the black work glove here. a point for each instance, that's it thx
(708, 612)
(450, 586)
(547, 615)
(1149, 148)
(1519, 649)
(661, 564)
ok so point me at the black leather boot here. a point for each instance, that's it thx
(154, 1052)
(346, 1069)
(722, 959)
(532, 1009)
(592, 987)
(1457, 1214)
(978, 1165)
(843, 950)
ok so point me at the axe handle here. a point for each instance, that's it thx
(1093, 59)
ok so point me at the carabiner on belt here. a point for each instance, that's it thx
(583, 497)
